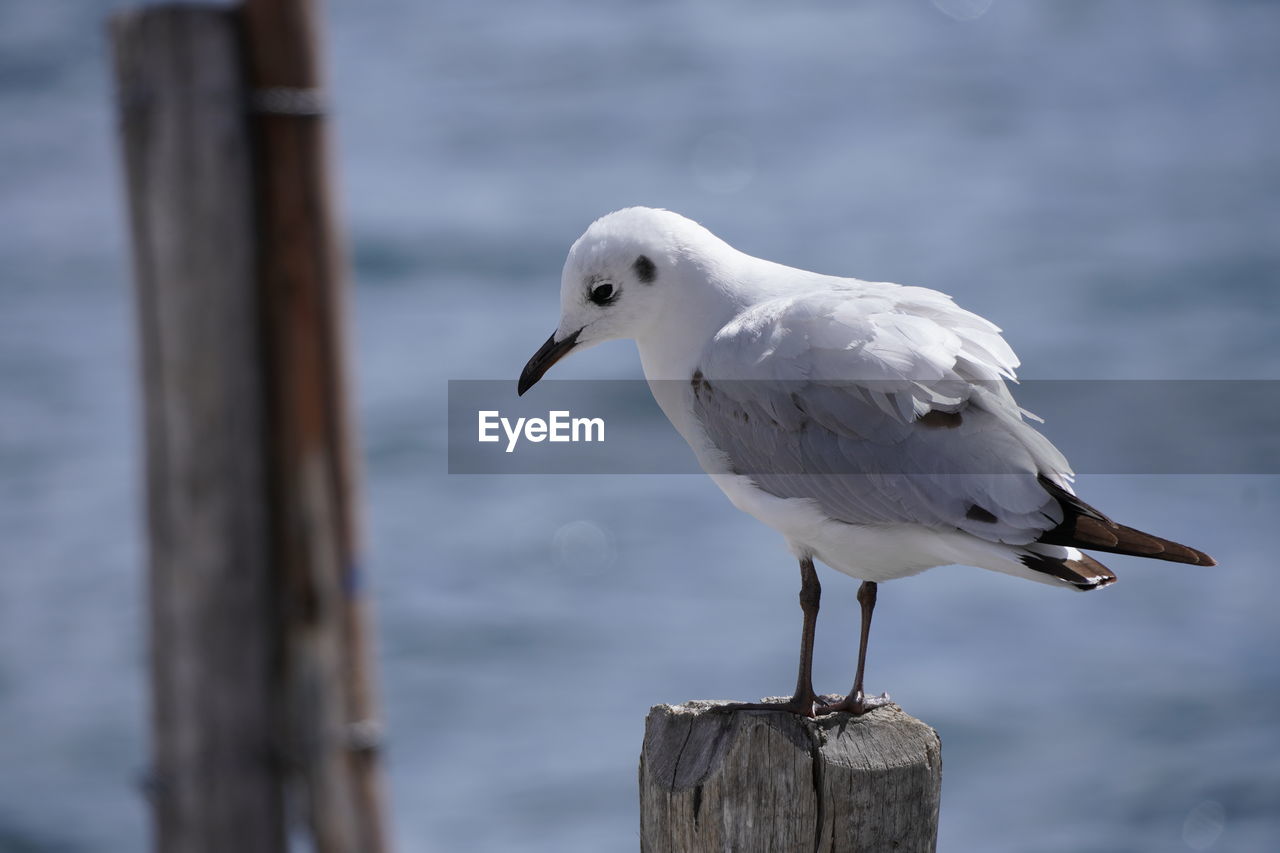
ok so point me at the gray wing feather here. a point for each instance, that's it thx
(894, 412)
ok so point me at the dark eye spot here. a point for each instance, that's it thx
(645, 269)
(602, 294)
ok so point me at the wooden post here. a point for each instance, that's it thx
(766, 780)
(334, 721)
(260, 637)
(215, 782)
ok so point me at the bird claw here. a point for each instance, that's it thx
(856, 703)
(798, 705)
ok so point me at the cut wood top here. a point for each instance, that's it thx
(770, 780)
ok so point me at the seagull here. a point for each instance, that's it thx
(869, 423)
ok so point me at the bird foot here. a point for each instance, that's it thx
(855, 703)
(801, 706)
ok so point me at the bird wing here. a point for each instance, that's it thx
(882, 404)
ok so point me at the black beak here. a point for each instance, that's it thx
(547, 355)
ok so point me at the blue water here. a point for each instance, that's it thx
(1101, 179)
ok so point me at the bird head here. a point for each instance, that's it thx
(613, 283)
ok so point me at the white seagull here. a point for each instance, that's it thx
(867, 422)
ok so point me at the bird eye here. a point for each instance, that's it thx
(602, 294)
(645, 270)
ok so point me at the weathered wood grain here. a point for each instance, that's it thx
(216, 778)
(772, 781)
(260, 631)
(315, 472)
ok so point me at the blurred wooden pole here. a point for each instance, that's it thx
(333, 716)
(260, 637)
(216, 783)
(769, 780)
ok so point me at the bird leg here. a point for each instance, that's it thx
(856, 703)
(803, 699)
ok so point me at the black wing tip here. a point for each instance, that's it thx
(1136, 543)
(1177, 553)
(1085, 573)
(1085, 527)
